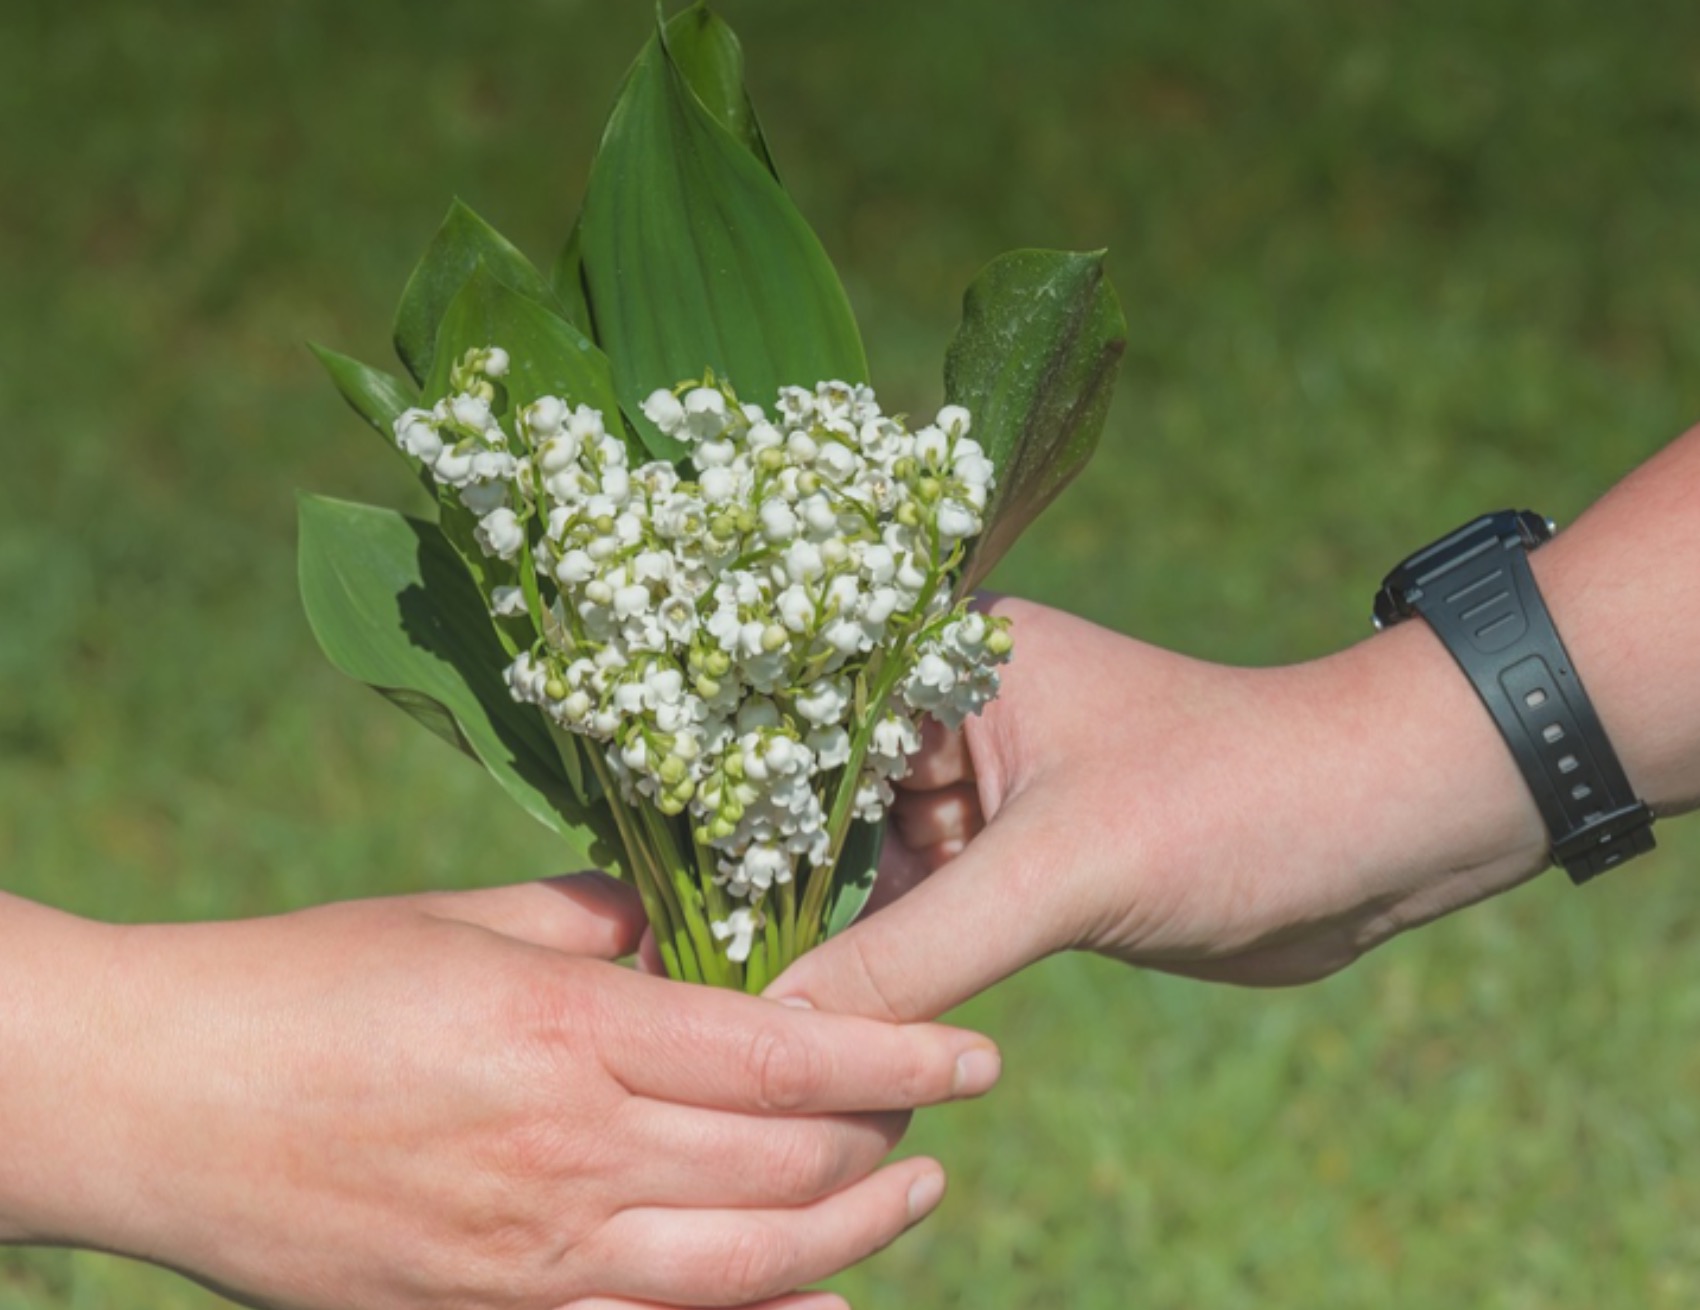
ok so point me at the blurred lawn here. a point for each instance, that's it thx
(1385, 265)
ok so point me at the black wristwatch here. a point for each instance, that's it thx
(1476, 590)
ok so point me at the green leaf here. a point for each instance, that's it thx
(547, 356)
(710, 58)
(461, 244)
(853, 880)
(1035, 363)
(567, 278)
(695, 258)
(373, 394)
(392, 606)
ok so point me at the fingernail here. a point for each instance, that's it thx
(797, 1002)
(976, 1071)
(924, 1194)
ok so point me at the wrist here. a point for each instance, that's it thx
(57, 1045)
(1296, 817)
(1434, 808)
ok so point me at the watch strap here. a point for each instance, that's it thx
(1483, 603)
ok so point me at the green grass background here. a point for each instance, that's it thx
(1384, 265)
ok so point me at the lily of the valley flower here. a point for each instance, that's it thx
(749, 638)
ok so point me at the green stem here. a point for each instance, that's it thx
(677, 951)
(788, 920)
(821, 877)
(687, 897)
(763, 967)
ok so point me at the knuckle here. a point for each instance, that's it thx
(549, 1020)
(534, 1154)
(756, 1263)
(916, 1077)
(806, 1165)
(787, 1071)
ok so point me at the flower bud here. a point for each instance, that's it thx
(999, 642)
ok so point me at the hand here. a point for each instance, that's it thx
(1247, 825)
(446, 1099)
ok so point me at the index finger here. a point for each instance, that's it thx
(701, 1046)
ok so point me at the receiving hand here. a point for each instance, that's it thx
(456, 1099)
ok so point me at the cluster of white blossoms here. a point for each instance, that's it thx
(752, 635)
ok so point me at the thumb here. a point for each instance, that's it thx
(577, 914)
(974, 922)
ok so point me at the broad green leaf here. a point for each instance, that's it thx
(853, 881)
(567, 278)
(547, 356)
(694, 257)
(392, 606)
(708, 55)
(373, 394)
(1035, 363)
(461, 244)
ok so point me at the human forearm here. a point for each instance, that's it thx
(1407, 803)
(1623, 584)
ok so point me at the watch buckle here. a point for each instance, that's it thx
(1602, 830)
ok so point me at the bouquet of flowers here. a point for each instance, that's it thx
(690, 589)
